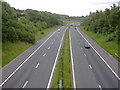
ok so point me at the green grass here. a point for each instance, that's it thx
(64, 58)
(111, 46)
(12, 50)
(66, 62)
(56, 76)
(39, 36)
(0, 54)
(69, 22)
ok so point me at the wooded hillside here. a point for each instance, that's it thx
(19, 25)
(105, 22)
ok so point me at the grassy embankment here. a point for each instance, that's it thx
(69, 22)
(64, 61)
(0, 54)
(12, 50)
(111, 46)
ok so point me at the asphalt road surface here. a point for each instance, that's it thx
(89, 70)
(35, 70)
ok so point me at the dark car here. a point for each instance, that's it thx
(75, 27)
(87, 46)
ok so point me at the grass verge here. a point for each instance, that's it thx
(0, 54)
(111, 46)
(64, 61)
(40, 34)
(12, 50)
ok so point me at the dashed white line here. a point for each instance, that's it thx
(100, 87)
(25, 84)
(48, 47)
(90, 66)
(44, 54)
(37, 65)
(101, 57)
(81, 48)
(84, 54)
(51, 75)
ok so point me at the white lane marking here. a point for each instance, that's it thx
(48, 47)
(84, 54)
(44, 54)
(101, 57)
(73, 73)
(90, 66)
(37, 65)
(50, 79)
(81, 48)
(100, 87)
(26, 60)
(25, 84)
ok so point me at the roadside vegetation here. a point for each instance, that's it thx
(63, 66)
(11, 50)
(69, 22)
(22, 28)
(39, 35)
(104, 28)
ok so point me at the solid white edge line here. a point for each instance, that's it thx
(37, 65)
(100, 87)
(51, 75)
(73, 74)
(101, 57)
(25, 84)
(25, 60)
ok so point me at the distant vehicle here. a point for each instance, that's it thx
(58, 30)
(75, 27)
(87, 46)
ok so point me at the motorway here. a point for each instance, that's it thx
(89, 70)
(36, 70)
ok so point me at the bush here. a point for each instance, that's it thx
(27, 37)
(10, 35)
(111, 37)
(42, 32)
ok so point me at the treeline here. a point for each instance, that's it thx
(71, 18)
(104, 22)
(19, 25)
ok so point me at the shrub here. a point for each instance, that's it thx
(10, 35)
(27, 37)
(42, 32)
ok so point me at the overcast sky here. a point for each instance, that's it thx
(67, 7)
